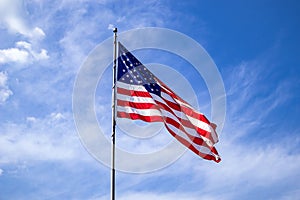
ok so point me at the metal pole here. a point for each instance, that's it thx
(113, 171)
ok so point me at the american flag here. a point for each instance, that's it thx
(142, 96)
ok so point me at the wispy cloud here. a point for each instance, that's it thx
(34, 140)
(251, 167)
(5, 92)
(12, 16)
(251, 98)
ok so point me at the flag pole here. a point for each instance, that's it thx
(113, 136)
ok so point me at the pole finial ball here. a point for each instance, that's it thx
(115, 30)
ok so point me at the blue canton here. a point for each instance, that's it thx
(131, 71)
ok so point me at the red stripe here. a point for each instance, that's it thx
(171, 93)
(187, 123)
(172, 105)
(135, 116)
(184, 122)
(188, 111)
(137, 105)
(196, 140)
(168, 106)
(133, 92)
(191, 147)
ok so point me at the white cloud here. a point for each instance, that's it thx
(42, 55)
(1, 171)
(12, 15)
(38, 33)
(110, 27)
(13, 18)
(22, 53)
(5, 92)
(52, 138)
(31, 119)
(57, 116)
(13, 55)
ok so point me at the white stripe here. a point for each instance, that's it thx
(131, 87)
(198, 123)
(200, 148)
(194, 121)
(179, 114)
(135, 99)
(190, 131)
(186, 105)
(169, 115)
(143, 112)
(194, 133)
(176, 99)
(150, 100)
(167, 97)
(214, 135)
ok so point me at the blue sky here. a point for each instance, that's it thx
(254, 44)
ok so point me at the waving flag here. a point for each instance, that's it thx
(142, 96)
